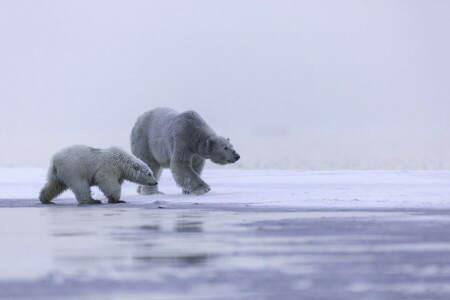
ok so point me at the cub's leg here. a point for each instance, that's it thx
(82, 192)
(187, 178)
(112, 190)
(52, 189)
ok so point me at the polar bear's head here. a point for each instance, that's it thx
(141, 173)
(220, 150)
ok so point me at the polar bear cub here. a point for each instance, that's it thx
(80, 167)
(164, 138)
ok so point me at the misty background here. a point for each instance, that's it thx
(294, 84)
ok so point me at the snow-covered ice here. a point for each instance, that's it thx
(267, 188)
(256, 235)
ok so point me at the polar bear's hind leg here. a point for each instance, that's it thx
(52, 189)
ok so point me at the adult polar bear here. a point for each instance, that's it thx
(163, 138)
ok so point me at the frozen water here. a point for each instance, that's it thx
(257, 235)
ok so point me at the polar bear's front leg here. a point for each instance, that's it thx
(187, 178)
(197, 165)
(112, 190)
(82, 192)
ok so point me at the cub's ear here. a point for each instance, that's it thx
(228, 139)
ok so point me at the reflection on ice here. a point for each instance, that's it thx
(185, 226)
(176, 260)
(167, 250)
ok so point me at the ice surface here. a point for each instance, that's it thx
(256, 235)
(266, 188)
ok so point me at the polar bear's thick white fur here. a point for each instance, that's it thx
(80, 167)
(163, 138)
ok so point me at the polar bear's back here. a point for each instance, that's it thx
(162, 123)
(157, 132)
(75, 154)
(157, 122)
(76, 160)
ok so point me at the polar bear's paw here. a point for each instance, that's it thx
(148, 190)
(200, 190)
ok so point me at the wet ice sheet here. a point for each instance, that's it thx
(134, 253)
(257, 235)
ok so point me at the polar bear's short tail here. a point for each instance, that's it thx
(52, 188)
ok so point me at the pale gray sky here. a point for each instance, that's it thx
(295, 84)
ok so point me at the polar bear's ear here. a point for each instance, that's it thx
(208, 144)
(228, 139)
(136, 166)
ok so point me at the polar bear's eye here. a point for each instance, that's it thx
(225, 148)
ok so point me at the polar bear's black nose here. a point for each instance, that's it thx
(237, 157)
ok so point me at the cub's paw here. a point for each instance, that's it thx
(92, 201)
(114, 201)
(47, 202)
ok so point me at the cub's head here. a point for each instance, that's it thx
(220, 151)
(134, 169)
(142, 174)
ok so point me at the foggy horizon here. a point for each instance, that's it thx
(294, 84)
